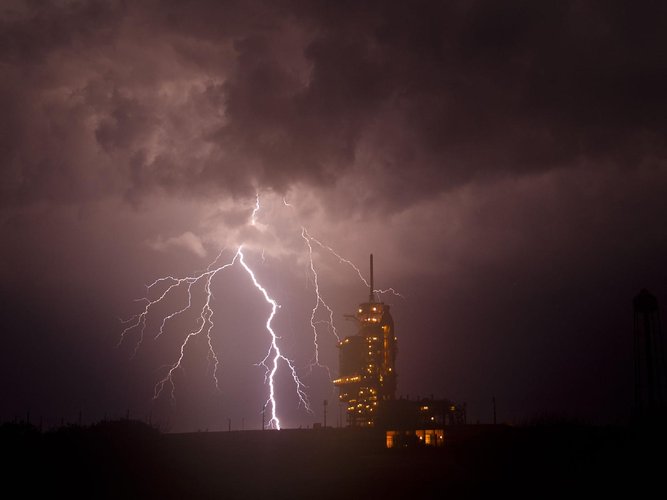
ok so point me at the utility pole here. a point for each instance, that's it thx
(340, 415)
(325, 413)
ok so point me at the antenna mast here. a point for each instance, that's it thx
(371, 295)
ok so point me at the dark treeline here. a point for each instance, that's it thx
(132, 459)
(101, 460)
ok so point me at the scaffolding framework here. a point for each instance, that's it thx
(367, 362)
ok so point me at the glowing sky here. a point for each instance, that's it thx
(506, 164)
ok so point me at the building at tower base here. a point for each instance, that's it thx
(419, 422)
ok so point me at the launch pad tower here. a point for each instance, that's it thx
(367, 362)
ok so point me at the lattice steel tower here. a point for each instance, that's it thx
(367, 373)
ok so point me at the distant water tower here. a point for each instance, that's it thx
(650, 382)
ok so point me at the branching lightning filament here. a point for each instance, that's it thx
(166, 286)
(343, 260)
(319, 301)
(205, 325)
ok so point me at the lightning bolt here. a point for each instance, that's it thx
(205, 317)
(141, 318)
(318, 301)
(253, 217)
(343, 260)
(274, 353)
(163, 287)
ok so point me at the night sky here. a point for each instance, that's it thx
(505, 162)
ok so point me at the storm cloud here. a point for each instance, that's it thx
(222, 97)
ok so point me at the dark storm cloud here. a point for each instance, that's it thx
(278, 93)
(457, 91)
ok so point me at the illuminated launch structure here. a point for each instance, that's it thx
(367, 375)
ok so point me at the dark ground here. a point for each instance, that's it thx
(128, 459)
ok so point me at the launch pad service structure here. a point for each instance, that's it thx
(367, 369)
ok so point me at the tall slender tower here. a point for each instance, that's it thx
(367, 374)
(650, 382)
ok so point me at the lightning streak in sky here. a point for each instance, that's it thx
(253, 217)
(275, 351)
(141, 318)
(351, 264)
(206, 319)
(318, 301)
(204, 322)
